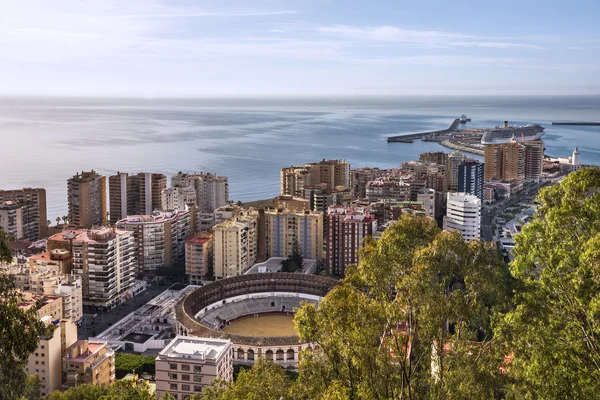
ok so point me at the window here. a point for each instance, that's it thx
(185, 387)
(197, 369)
(198, 378)
(185, 377)
(173, 376)
(185, 367)
(197, 388)
(173, 366)
(173, 386)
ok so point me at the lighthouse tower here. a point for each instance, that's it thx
(575, 157)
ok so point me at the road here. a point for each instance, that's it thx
(91, 326)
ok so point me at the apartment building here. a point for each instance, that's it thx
(212, 191)
(178, 198)
(199, 257)
(105, 260)
(347, 229)
(361, 176)
(470, 178)
(86, 192)
(507, 161)
(135, 194)
(452, 166)
(34, 218)
(291, 203)
(11, 219)
(235, 245)
(534, 159)
(188, 364)
(428, 198)
(463, 213)
(388, 188)
(46, 360)
(283, 227)
(437, 157)
(159, 238)
(332, 173)
(87, 362)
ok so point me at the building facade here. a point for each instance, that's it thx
(87, 362)
(346, 230)
(212, 191)
(471, 178)
(283, 227)
(34, 218)
(86, 193)
(452, 166)
(428, 199)
(463, 213)
(199, 257)
(135, 194)
(178, 198)
(235, 245)
(159, 238)
(11, 219)
(331, 173)
(188, 364)
(534, 159)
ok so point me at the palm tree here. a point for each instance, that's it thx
(49, 223)
(57, 221)
(65, 219)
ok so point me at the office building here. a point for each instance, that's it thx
(86, 193)
(470, 178)
(212, 191)
(534, 159)
(428, 199)
(134, 194)
(178, 198)
(463, 213)
(188, 364)
(34, 219)
(347, 229)
(235, 245)
(11, 219)
(46, 360)
(283, 227)
(87, 362)
(199, 257)
(105, 260)
(159, 238)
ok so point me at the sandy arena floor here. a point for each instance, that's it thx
(263, 325)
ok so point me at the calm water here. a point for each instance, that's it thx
(45, 141)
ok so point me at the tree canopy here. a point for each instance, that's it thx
(294, 261)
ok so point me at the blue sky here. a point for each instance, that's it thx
(201, 48)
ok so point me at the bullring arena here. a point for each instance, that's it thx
(254, 311)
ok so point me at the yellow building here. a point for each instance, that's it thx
(91, 363)
(235, 245)
(86, 193)
(504, 161)
(283, 227)
(198, 257)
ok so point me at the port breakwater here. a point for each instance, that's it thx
(414, 136)
(577, 123)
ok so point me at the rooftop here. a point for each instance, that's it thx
(101, 235)
(155, 217)
(196, 348)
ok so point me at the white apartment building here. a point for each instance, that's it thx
(235, 245)
(177, 198)
(212, 191)
(159, 238)
(105, 260)
(463, 213)
(189, 364)
(427, 197)
(282, 227)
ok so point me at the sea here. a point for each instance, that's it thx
(44, 141)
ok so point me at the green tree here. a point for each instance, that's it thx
(119, 390)
(19, 329)
(128, 363)
(295, 260)
(554, 331)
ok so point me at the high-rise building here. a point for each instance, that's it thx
(105, 260)
(437, 157)
(514, 161)
(283, 227)
(235, 245)
(33, 210)
(199, 257)
(470, 178)
(534, 159)
(159, 238)
(46, 360)
(387, 188)
(87, 200)
(346, 230)
(463, 213)
(454, 161)
(332, 173)
(212, 191)
(11, 219)
(360, 177)
(292, 181)
(506, 161)
(135, 194)
(189, 364)
(178, 198)
(428, 198)
(90, 363)
(493, 162)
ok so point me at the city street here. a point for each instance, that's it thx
(105, 319)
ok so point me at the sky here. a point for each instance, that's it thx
(154, 48)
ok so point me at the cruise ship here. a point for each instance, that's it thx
(506, 133)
